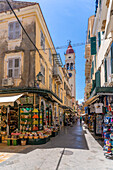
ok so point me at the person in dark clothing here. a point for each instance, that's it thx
(80, 119)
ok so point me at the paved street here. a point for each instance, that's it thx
(68, 151)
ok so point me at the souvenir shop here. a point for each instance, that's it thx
(22, 123)
(95, 117)
(108, 126)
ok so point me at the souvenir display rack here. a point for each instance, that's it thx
(108, 135)
(25, 118)
(99, 120)
(13, 119)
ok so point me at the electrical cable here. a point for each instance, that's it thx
(23, 28)
(38, 50)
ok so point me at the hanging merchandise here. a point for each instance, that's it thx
(99, 120)
(108, 136)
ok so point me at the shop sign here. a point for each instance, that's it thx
(26, 100)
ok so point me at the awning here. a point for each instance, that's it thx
(9, 100)
(91, 100)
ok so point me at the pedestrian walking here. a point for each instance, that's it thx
(80, 119)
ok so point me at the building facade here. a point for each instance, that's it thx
(101, 54)
(22, 62)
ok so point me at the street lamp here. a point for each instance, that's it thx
(39, 77)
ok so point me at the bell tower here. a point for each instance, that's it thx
(70, 66)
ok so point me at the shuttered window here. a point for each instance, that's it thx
(93, 45)
(97, 78)
(105, 66)
(14, 30)
(50, 56)
(99, 39)
(14, 67)
(112, 58)
(42, 42)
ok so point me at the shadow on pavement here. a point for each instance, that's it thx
(68, 137)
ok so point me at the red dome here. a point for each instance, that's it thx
(69, 50)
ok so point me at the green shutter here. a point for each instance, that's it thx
(95, 60)
(99, 39)
(112, 58)
(89, 35)
(97, 78)
(93, 45)
(91, 72)
(100, 3)
(93, 84)
(105, 70)
(92, 67)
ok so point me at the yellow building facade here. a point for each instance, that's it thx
(21, 62)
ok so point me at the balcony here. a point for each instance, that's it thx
(57, 75)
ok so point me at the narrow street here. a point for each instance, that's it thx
(73, 149)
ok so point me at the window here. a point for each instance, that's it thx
(50, 56)
(67, 66)
(14, 29)
(50, 83)
(42, 41)
(14, 67)
(71, 66)
(43, 73)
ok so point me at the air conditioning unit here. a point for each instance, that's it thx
(7, 82)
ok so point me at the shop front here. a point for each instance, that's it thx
(26, 118)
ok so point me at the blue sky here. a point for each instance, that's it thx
(67, 20)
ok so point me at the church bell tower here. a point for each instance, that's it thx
(70, 66)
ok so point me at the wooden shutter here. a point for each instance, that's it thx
(95, 60)
(93, 84)
(93, 45)
(99, 39)
(105, 66)
(11, 31)
(10, 68)
(16, 67)
(112, 58)
(97, 78)
(17, 28)
(14, 30)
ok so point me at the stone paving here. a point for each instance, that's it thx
(61, 153)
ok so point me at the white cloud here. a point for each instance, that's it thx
(80, 101)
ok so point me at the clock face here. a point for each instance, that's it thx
(70, 74)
